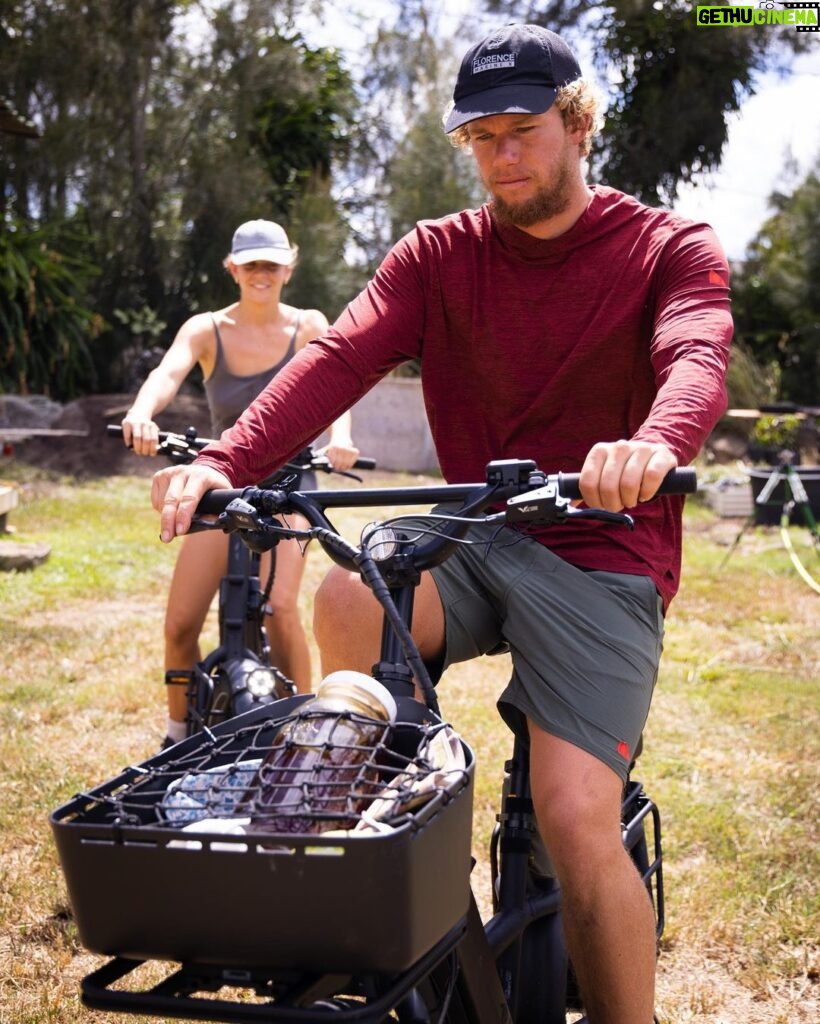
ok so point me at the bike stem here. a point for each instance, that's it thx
(391, 668)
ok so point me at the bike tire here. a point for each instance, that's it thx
(545, 965)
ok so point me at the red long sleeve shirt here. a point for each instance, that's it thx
(530, 348)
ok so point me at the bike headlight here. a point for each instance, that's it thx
(261, 682)
(381, 542)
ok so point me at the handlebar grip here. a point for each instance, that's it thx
(188, 437)
(676, 481)
(362, 463)
(212, 503)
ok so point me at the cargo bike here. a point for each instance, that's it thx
(375, 919)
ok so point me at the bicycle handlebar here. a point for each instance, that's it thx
(530, 496)
(183, 447)
(526, 494)
(677, 481)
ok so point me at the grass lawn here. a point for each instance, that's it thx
(731, 753)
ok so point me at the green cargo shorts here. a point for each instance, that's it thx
(585, 645)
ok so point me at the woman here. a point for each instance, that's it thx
(239, 349)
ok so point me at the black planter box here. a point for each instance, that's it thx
(769, 513)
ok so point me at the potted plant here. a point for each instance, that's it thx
(772, 435)
(775, 446)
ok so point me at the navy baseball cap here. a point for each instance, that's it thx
(517, 70)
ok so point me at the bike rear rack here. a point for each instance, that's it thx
(303, 999)
(644, 845)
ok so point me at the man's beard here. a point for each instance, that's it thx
(549, 201)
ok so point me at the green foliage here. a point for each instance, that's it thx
(412, 171)
(747, 382)
(324, 278)
(668, 118)
(776, 431)
(165, 125)
(776, 305)
(299, 130)
(427, 179)
(47, 329)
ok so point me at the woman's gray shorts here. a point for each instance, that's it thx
(585, 645)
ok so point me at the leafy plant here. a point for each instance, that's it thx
(46, 327)
(777, 432)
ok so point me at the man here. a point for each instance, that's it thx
(574, 326)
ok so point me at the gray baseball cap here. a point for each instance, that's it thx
(261, 240)
(517, 70)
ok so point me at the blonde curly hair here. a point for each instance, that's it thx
(579, 103)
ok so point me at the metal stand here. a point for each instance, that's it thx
(795, 497)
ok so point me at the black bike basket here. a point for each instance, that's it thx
(146, 881)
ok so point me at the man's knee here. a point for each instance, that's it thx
(346, 622)
(338, 598)
(577, 800)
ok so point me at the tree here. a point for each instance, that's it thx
(301, 131)
(674, 85)
(775, 303)
(427, 177)
(403, 169)
(324, 278)
(158, 141)
(271, 116)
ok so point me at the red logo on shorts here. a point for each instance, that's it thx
(623, 750)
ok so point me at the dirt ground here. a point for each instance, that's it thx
(96, 454)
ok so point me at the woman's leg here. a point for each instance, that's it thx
(289, 647)
(201, 562)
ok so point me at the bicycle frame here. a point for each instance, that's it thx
(238, 671)
(515, 967)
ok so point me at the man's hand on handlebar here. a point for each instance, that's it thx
(621, 474)
(176, 492)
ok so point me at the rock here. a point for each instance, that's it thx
(96, 454)
(16, 557)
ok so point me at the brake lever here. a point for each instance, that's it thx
(603, 515)
(543, 506)
(324, 465)
(176, 448)
(546, 505)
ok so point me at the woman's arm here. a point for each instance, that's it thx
(139, 430)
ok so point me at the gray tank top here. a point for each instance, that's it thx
(229, 394)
